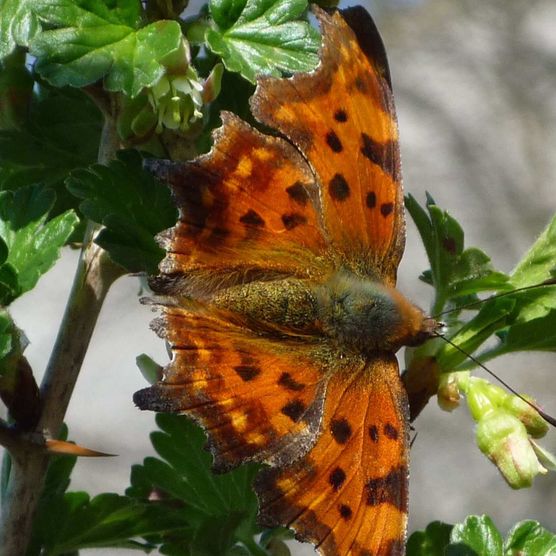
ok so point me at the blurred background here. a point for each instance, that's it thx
(475, 83)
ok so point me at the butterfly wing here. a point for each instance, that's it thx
(349, 494)
(257, 399)
(342, 119)
(249, 203)
(332, 426)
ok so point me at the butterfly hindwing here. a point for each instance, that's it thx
(257, 399)
(349, 494)
(342, 118)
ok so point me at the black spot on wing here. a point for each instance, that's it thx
(386, 209)
(337, 478)
(373, 433)
(371, 200)
(341, 116)
(391, 431)
(338, 188)
(252, 218)
(334, 142)
(298, 193)
(345, 511)
(247, 372)
(287, 381)
(382, 154)
(389, 489)
(341, 430)
(293, 220)
(294, 410)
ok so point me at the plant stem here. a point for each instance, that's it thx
(94, 275)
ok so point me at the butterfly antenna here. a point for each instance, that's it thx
(549, 282)
(545, 416)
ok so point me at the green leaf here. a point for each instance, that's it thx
(493, 316)
(33, 243)
(430, 542)
(16, 90)
(529, 538)
(539, 263)
(263, 37)
(132, 205)
(18, 24)
(523, 320)
(226, 12)
(455, 271)
(534, 326)
(476, 535)
(61, 132)
(534, 335)
(108, 520)
(87, 41)
(221, 508)
(6, 333)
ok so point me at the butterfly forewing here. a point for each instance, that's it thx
(342, 118)
(249, 203)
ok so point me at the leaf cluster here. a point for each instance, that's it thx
(521, 320)
(76, 42)
(174, 503)
(477, 535)
(219, 510)
(177, 505)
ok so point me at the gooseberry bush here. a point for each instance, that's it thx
(88, 90)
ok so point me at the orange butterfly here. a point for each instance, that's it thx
(279, 302)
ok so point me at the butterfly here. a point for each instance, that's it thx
(279, 303)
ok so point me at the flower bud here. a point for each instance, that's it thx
(503, 439)
(536, 426)
(449, 388)
(482, 397)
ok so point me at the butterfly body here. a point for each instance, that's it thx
(349, 312)
(279, 303)
(367, 316)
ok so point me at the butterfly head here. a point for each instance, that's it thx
(370, 317)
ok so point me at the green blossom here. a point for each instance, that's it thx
(505, 425)
(177, 100)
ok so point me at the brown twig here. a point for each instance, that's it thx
(94, 275)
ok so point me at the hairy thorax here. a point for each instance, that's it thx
(354, 313)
